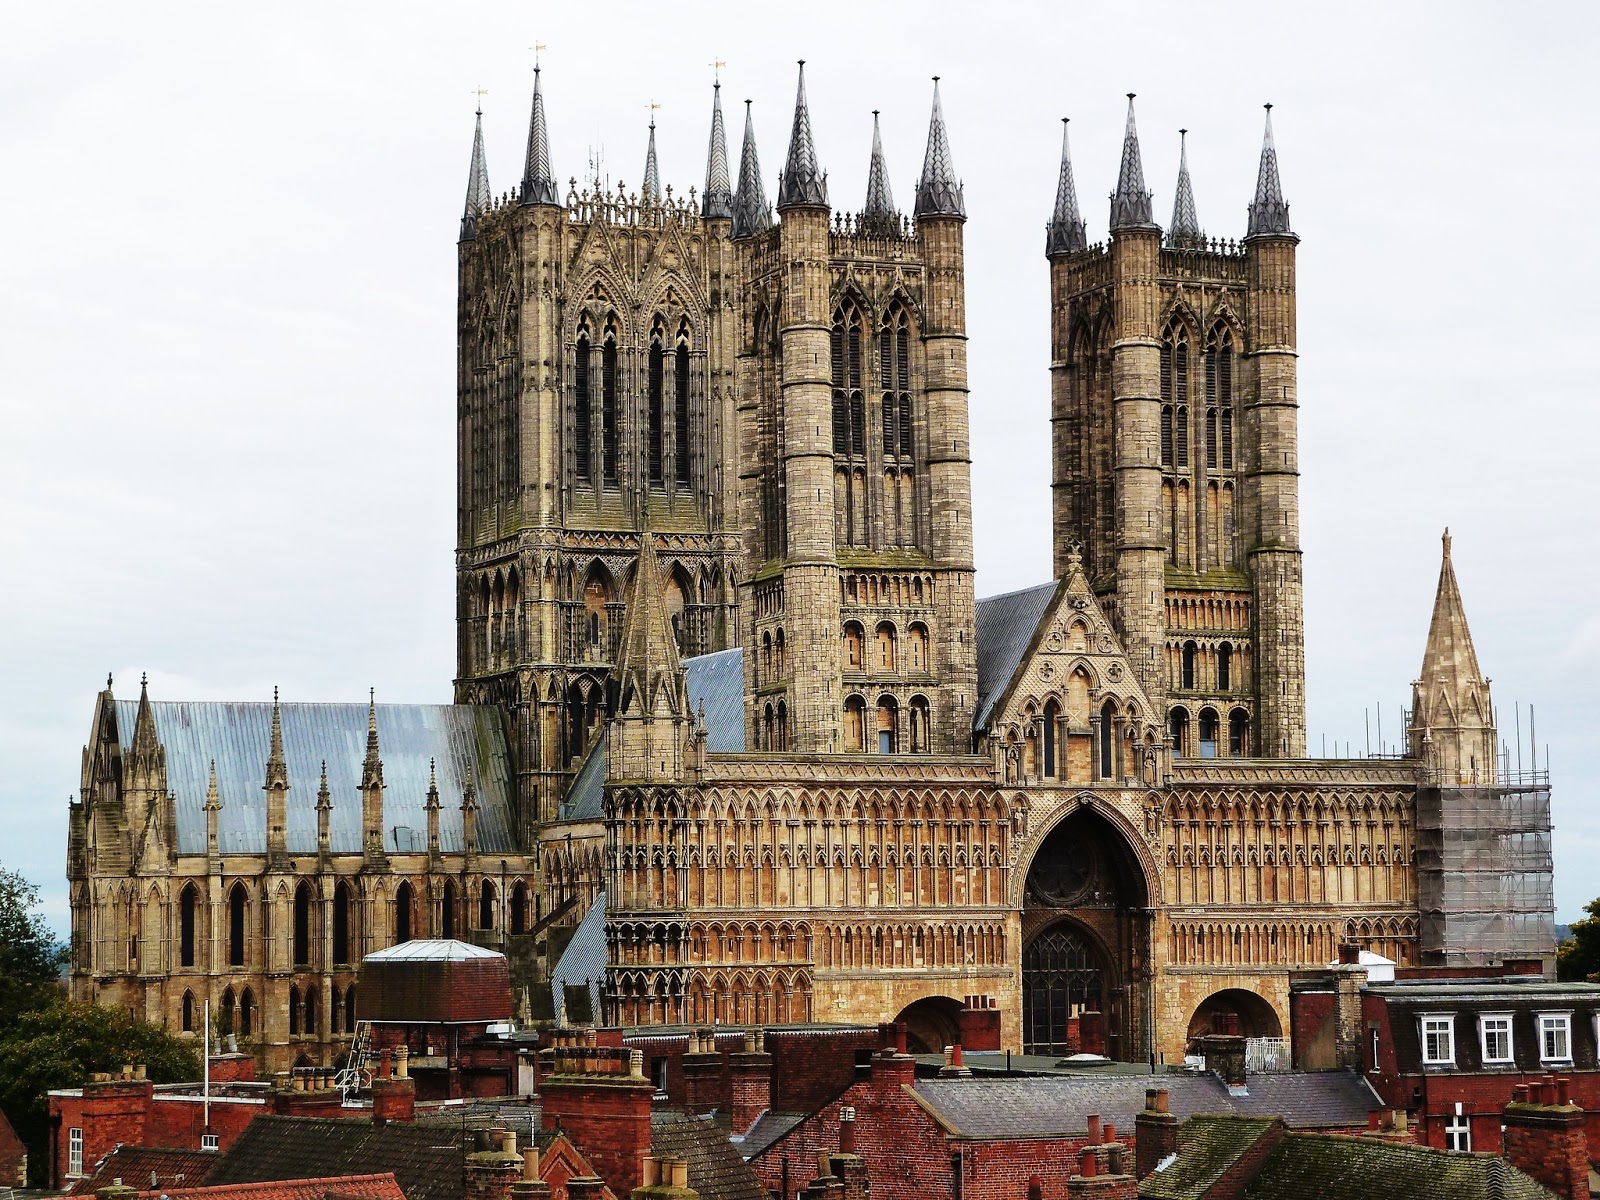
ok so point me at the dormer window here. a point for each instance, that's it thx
(1555, 1037)
(1438, 1039)
(1494, 1037)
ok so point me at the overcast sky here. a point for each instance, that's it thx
(227, 305)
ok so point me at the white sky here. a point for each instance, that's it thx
(227, 303)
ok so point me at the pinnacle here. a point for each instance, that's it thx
(1130, 203)
(880, 200)
(372, 766)
(479, 197)
(1065, 232)
(648, 663)
(277, 768)
(1450, 658)
(750, 211)
(650, 193)
(1185, 228)
(939, 193)
(718, 196)
(802, 182)
(538, 180)
(1269, 215)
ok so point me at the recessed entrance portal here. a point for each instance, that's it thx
(932, 1023)
(1085, 927)
(1235, 1011)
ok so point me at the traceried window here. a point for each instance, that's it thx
(656, 404)
(849, 401)
(1220, 354)
(1048, 728)
(583, 399)
(894, 377)
(1175, 397)
(1494, 1035)
(1555, 1037)
(681, 437)
(1438, 1040)
(608, 405)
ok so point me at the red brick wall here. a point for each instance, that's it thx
(1548, 1143)
(608, 1120)
(110, 1114)
(1310, 1014)
(233, 1068)
(176, 1124)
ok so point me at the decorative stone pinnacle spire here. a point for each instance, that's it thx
(1130, 203)
(1185, 229)
(880, 199)
(213, 793)
(433, 786)
(277, 768)
(802, 182)
(1269, 215)
(1450, 656)
(324, 797)
(650, 193)
(372, 767)
(1452, 726)
(1065, 234)
(939, 194)
(717, 203)
(469, 794)
(146, 744)
(538, 180)
(649, 670)
(479, 197)
(751, 213)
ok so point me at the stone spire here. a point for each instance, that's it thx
(372, 791)
(649, 670)
(717, 202)
(478, 195)
(277, 768)
(1130, 203)
(469, 815)
(277, 789)
(324, 813)
(213, 809)
(1269, 215)
(1065, 234)
(650, 193)
(751, 213)
(146, 749)
(1452, 716)
(1185, 228)
(879, 208)
(372, 765)
(938, 192)
(802, 182)
(431, 807)
(538, 179)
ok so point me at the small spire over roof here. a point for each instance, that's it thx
(469, 793)
(1130, 203)
(372, 766)
(479, 197)
(432, 801)
(1269, 215)
(650, 193)
(1185, 229)
(538, 179)
(277, 768)
(1449, 658)
(649, 669)
(145, 740)
(802, 182)
(717, 202)
(939, 193)
(880, 200)
(324, 797)
(1065, 232)
(751, 213)
(213, 793)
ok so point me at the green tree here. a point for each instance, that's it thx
(59, 1046)
(30, 957)
(1578, 958)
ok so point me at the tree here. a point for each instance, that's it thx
(30, 957)
(60, 1046)
(1578, 958)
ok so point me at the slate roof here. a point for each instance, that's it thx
(716, 1169)
(1303, 1165)
(1006, 626)
(585, 799)
(425, 1159)
(769, 1128)
(1050, 1106)
(584, 959)
(343, 1187)
(236, 735)
(717, 680)
(1207, 1147)
(134, 1165)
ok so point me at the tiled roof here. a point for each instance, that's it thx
(237, 736)
(769, 1127)
(1043, 1107)
(338, 1187)
(716, 1169)
(135, 1166)
(426, 1160)
(1522, 1002)
(1006, 625)
(717, 681)
(583, 962)
(1207, 1147)
(1303, 1165)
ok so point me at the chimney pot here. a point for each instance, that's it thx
(955, 1055)
(1110, 1133)
(530, 1162)
(1114, 1160)
(678, 1168)
(1563, 1090)
(1094, 1129)
(384, 1071)
(652, 1170)
(1086, 1163)
(402, 1060)
(635, 1064)
(508, 1142)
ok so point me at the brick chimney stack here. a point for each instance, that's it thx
(702, 1073)
(751, 1072)
(1224, 1055)
(1093, 1183)
(1544, 1137)
(1155, 1132)
(665, 1179)
(530, 1186)
(493, 1171)
(599, 1097)
(394, 1092)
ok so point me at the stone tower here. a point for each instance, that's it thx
(1452, 727)
(855, 481)
(1174, 442)
(594, 397)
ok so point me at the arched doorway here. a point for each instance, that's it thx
(1235, 1011)
(932, 1023)
(1085, 927)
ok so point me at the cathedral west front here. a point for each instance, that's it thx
(731, 723)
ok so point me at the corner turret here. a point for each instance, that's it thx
(538, 179)
(717, 202)
(1269, 215)
(479, 197)
(1131, 202)
(939, 193)
(802, 184)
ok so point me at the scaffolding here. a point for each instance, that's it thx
(1484, 870)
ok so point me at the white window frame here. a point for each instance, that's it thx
(1458, 1133)
(75, 1151)
(1447, 1023)
(1510, 1056)
(1548, 1022)
(209, 1141)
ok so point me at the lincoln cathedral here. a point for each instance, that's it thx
(731, 727)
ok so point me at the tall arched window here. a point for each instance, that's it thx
(247, 1012)
(1108, 740)
(1208, 733)
(894, 377)
(402, 913)
(917, 648)
(681, 438)
(350, 1009)
(309, 1023)
(920, 731)
(854, 646)
(780, 727)
(888, 725)
(302, 925)
(1049, 728)
(656, 404)
(886, 647)
(1186, 677)
(341, 922)
(608, 404)
(519, 908)
(855, 722)
(486, 899)
(1175, 397)
(1178, 731)
(294, 1010)
(237, 904)
(447, 910)
(582, 404)
(1219, 398)
(225, 1013)
(1224, 667)
(849, 401)
(188, 903)
(1239, 733)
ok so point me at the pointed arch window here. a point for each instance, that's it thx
(447, 910)
(519, 908)
(656, 405)
(188, 1011)
(1175, 397)
(402, 914)
(1186, 676)
(582, 405)
(302, 925)
(341, 922)
(849, 401)
(608, 404)
(682, 439)
(486, 905)
(1220, 353)
(294, 1010)
(188, 905)
(1051, 722)
(894, 375)
(237, 904)
(350, 1009)
(1108, 740)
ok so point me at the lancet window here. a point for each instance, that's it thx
(608, 404)
(656, 404)
(682, 439)
(1175, 397)
(583, 399)
(1220, 354)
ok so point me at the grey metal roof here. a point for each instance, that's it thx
(1268, 212)
(717, 681)
(237, 735)
(1065, 232)
(583, 962)
(1006, 625)
(585, 799)
(939, 193)
(1130, 203)
(1048, 1107)
(432, 950)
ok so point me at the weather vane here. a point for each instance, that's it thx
(536, 48)
(716, 66)
(480, 93)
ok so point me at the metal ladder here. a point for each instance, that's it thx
(356, 1074)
